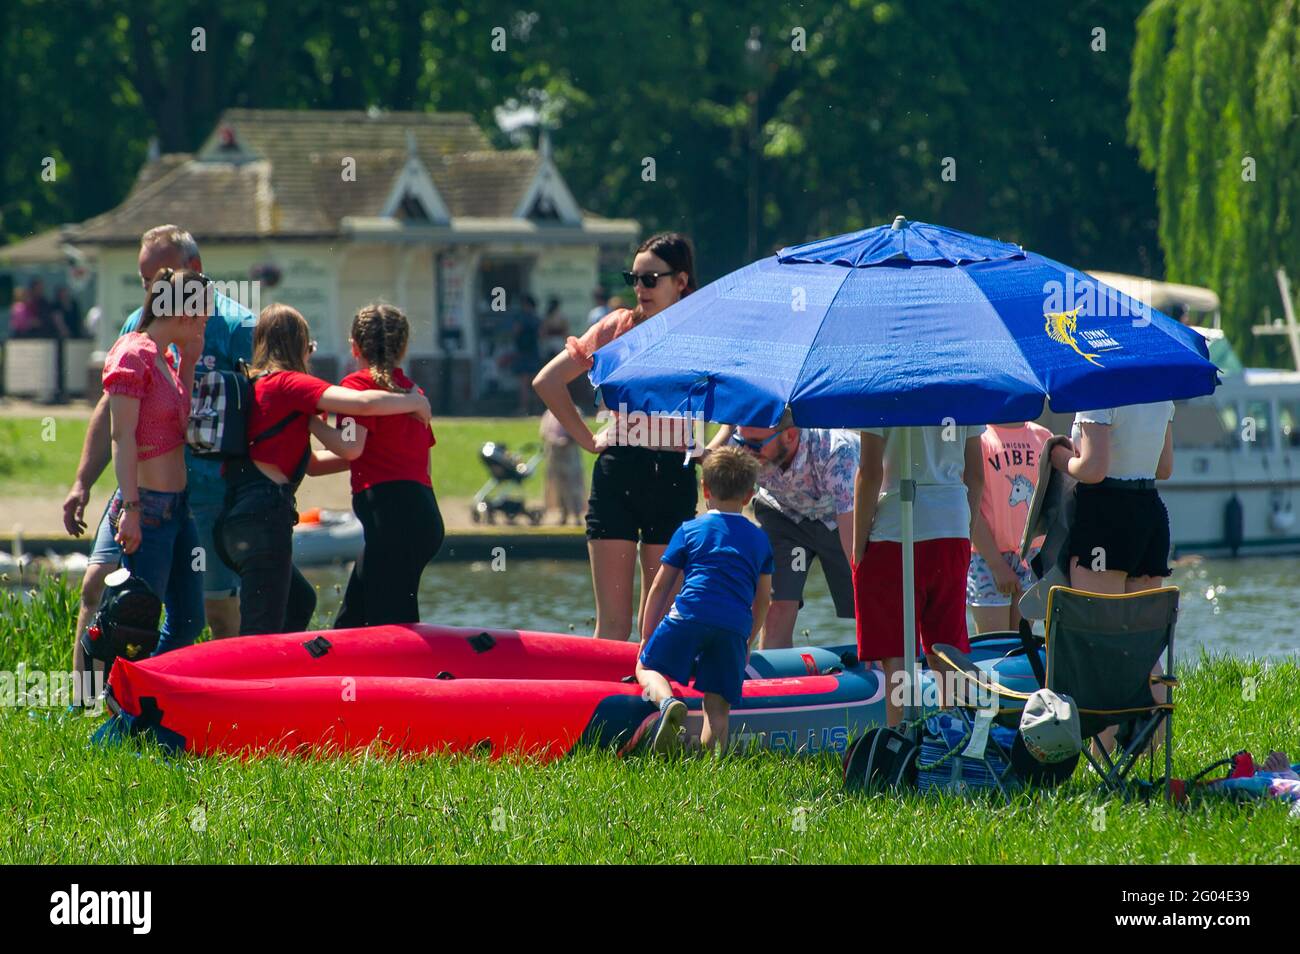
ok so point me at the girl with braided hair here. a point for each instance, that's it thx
(254, 532)
(392, 494)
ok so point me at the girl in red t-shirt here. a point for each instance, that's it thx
(392, 495)
(255, 529)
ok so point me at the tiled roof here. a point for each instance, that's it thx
(155, 169)
(488, 184)
(212, 200)
(39, 249)
(290, 138)
(278, 172)
(376, 172)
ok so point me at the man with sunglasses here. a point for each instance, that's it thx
(227, 339)
(805, 505)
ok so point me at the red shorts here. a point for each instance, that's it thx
(941, 567)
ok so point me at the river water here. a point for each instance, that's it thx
(1246, 607)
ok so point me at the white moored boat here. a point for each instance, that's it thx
(1236, 452)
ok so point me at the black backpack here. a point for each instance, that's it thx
(126, 623)
(219, 409)
(219, 414)
(880, 758)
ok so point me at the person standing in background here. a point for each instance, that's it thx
(555, 329)
(527, 358)
(997, 576)
(948, 468)
(23, 320)
(40, 307)
(600, 305)
(69, 315)
(566, 484)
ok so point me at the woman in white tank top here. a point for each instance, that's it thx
(1119, 542)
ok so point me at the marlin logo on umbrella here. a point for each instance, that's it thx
(1061, 326)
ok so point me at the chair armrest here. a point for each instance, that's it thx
(952, 659)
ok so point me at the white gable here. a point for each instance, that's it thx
(548, 190)
(415, 183)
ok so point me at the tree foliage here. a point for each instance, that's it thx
(1215, 114)
(827, 115)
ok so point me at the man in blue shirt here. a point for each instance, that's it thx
(727, 564)
(227, 339)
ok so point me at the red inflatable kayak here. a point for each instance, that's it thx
(423, 689)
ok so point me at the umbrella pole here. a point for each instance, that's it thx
(907, 495)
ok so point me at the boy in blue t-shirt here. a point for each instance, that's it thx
(727, 561)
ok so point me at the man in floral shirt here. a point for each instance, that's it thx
(805, 505)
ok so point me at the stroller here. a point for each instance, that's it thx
(509, 469)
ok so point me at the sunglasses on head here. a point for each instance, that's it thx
(755, 446)
(647, 279)
(165, 274)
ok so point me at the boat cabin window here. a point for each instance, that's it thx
(1288, 419)
(1204, 427)
(1231, 422)
(1259, 417)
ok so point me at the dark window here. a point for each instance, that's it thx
(412, 210)
(544, 209)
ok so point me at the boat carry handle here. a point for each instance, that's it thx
(482, 642)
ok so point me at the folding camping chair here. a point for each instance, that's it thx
(1101, 651)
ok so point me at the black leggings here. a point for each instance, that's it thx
(254, 537)
(403, 533)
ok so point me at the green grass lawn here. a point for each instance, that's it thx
(62, 800)
(457, 470)
(35, 457)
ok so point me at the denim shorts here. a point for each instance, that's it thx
(105, 549)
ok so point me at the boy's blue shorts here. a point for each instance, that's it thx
(717, 655)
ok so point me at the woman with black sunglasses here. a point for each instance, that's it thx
(641, 488)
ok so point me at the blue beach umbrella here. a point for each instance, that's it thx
(897, 326)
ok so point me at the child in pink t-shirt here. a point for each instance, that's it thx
(997, 576)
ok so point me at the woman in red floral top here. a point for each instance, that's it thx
(149, 401)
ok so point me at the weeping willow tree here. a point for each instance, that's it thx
(1215, 115)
